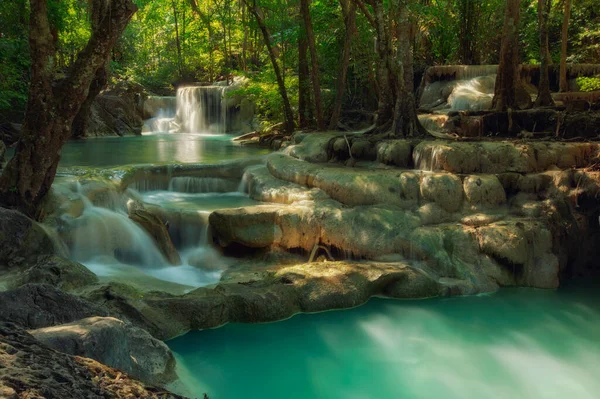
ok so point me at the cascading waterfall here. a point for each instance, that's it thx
(201, 109)
(102, 232)
(187, 184)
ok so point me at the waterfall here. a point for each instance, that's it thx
(102, 232)
(189, 184)
(161, 111)
(201, 109)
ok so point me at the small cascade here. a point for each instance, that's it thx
(475, 94)
(161, 111)
(201, 109)
(101, 232)
(189, 184)
(243, 187)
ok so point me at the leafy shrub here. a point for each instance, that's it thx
(588, 83)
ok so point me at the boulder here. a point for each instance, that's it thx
(21, 239)
(524, 248)
(29, 369)
(59, 272)
(446, 190)
(10, 133)
(159, 233)
(484, 190)
(395, 152)
(42, 305)
(115, 343)
(113, 115)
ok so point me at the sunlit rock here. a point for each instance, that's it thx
(114, 343)
(484, 191)
(444, 189)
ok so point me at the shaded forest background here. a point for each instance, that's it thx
(176, 41)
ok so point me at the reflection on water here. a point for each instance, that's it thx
(154, 148)
(515, 344)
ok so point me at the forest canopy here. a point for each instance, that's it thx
(171, 41)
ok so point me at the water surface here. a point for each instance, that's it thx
(154, 148)
(518, 343)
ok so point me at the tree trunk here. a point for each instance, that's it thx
(386, 74)
(287, 109)
(80, 123)
(406, 122)
(506, 81)
(544, 97)
(316, 80)
(51, 109)
(177, 42)
(304, 107)
(349, 10)
(563, 84)
(468, 23)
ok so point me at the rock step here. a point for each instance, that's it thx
(448, 156)
(492, 251)
(409, 189)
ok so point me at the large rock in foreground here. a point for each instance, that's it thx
(21, 238)
(114, 343)
(42, 305)
(29, 369)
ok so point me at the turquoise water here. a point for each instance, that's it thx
(198, 201)
(517, 343)
(154, 148)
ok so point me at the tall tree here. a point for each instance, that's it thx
(505, 95)
(287, 108)
(177, 41)
(563, 84)
(406, 122)
(315, 74)
(304, 106)
(544, 97)
(386, 69)
(467, 10)
(349, 11)
(51, 108)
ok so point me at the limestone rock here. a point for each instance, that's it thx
(484, 190)
(394, 152)
(363, 149)
(42, 305)
(444, 189)
(115, 343)
(114, 115)
(159, 233)
(29, 369)
(59, 272)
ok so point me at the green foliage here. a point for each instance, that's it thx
(588, 83)
(221, 37)
(14, 59)
(262, 89)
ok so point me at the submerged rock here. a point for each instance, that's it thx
(29, 369)
(114, 343)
